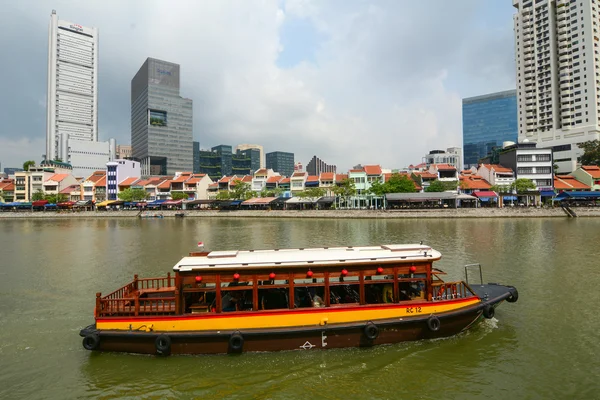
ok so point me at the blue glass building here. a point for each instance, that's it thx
(488, 121)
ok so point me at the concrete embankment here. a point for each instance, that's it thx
(517, 212)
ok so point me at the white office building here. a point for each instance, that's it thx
(558, 75)
(116, 172)
(72, 106)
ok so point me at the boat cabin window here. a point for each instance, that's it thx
(344, 287)
(379, 285)
(199, 296)
(273, 294)
(236, 292)
(309, 291)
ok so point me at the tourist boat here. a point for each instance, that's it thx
(291, 299)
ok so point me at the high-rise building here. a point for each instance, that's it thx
(558, 69)
(450, 156)
(72, 109)
(72, 102)
(161, 120)
(488, 121)
(316, 166)
(253, 146)
(196, 154)
(245, 162)
(280, 161)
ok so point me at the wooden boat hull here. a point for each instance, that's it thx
(327, 336)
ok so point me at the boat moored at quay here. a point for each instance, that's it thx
(291, 299)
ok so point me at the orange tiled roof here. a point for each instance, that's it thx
(593, 170)
(101, 182)
(326, 176)
(340, 177)
(182, 178)
(262, 171)
(70, 189)
(166, 184)
(247, 178)
(497, 168)
(96, 176)
(312, 178)
(192, 181)
(372, 169)
(284, 180)
(57, 177)
(298, 173)
(7, 186)
(356, 170)
(568, 182)
(128, 181)
(474, 183)
(443, 167)
(466, 172)
(274, 179)
(225, 179)
(427, 175)
(213, 185)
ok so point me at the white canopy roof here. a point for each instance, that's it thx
(300, 257)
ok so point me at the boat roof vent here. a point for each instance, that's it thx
(222, 254)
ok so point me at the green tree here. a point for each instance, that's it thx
(179, 196)
(28, 164)
(56, 198)
(130, 195)
(439, 186)
(523, 185)
(314, 192)
(591, 152)
(400, 184)
(241, 190)
(38, 195)
(223, 195)
(346, 188)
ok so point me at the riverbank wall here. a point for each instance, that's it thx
(517, 212)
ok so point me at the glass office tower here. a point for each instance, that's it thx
(488, 121)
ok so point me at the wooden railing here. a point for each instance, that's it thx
(450, 290)
(126, 300)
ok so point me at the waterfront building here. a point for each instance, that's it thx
(88, 186)
(488, 121)
(557, 67)
(568, 183)
(72, 97)
(261, 156)
(451, 156)
(123, 152)
(496, 175)
(298, 181)
(29, 182)
(262, 177)
(216, 162)
(359, 177)
(588, 175)
(374, 174)
(530, 162)
(327, 182)
(7, 191)
(161, 120)
(315, 166)
(57, 183)
(281, 162)
(196, 156)
(444, 172)
(116, 172)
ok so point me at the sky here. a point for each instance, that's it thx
(350, 81)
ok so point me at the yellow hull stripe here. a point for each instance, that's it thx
(278, 318)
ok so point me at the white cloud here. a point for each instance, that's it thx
(378, 92)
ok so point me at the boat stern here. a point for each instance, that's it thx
(493, 293)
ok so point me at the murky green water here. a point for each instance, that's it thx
(545, 346)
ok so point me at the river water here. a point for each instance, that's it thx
(545, 346)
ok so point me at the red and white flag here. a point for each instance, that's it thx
(200, 244)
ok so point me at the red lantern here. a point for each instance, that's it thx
(198, 279)
(412, 269)
(272, 275)
(344, 272)
(236, 276)
(380, 270)
(309, 273)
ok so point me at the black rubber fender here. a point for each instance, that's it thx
(489, 311)
(433, 323)
(371, 331)
(163, 345)
(91, 341)
(236, 343)
(514, 295)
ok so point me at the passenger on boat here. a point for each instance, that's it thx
(231, 301)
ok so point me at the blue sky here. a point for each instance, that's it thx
(349, 81)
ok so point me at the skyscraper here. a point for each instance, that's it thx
(558, 75)
(488, 121)
(316, 166)
(161, 120)
(253, 146)
(280, 161)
